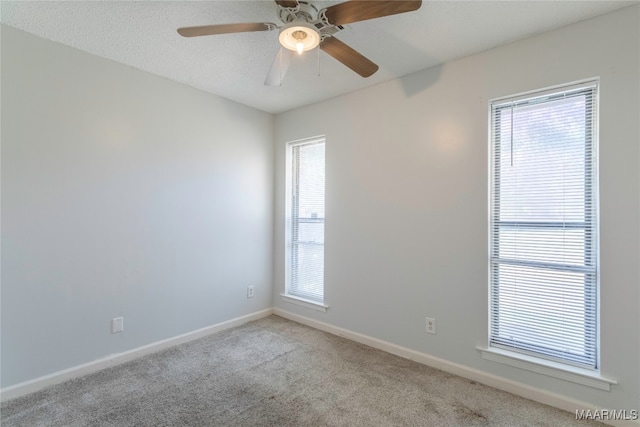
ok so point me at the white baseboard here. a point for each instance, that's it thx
(37, 384)
(520, 389)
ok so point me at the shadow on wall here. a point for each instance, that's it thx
(414, 83)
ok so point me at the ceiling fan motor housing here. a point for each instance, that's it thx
(303, 11)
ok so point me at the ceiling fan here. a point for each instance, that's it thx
(305, 27)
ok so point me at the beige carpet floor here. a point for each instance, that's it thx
(274, 372)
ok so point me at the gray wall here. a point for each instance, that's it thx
(407, 199)
(123, 194)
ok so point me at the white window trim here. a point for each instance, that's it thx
(588, 377)
(286, 296)
(303, 302)
(549, 368)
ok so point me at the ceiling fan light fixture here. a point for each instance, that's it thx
(299, 37)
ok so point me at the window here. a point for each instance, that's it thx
(544, 225)
(305, 228)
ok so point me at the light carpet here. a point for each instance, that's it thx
(274, 372)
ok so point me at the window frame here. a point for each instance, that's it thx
(290, 233)
(591, 221)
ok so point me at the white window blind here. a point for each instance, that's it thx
(544, 226)
(306, 275)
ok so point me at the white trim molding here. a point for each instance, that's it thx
(37, 384)
(528, 392)
(303, 302)
(549, 368)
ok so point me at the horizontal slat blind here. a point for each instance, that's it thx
(307, 232)
(543, 229)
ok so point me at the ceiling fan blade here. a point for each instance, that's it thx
(287, 3)
(279, 67)
(356, 10)
(348, 56)
(209, 30)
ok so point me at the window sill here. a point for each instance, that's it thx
(549, 368)
(313, 305)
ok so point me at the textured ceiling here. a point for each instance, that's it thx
(143, 34)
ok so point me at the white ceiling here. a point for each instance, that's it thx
(143, 34)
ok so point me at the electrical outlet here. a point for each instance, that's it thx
(431, 325)
(117, 325)
(250, 292)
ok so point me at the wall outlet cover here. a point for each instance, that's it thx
(431, 325)
(117, 325)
